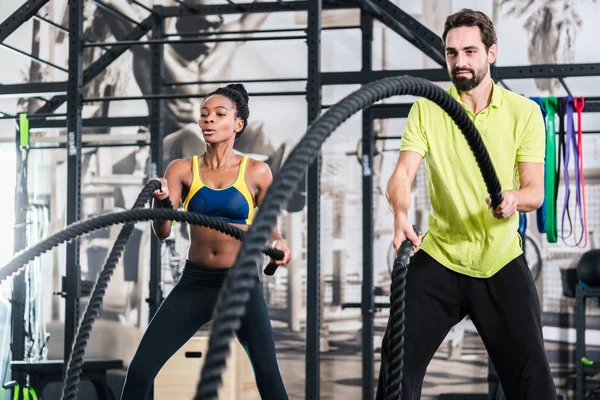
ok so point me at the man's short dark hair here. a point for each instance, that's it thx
(468, 17)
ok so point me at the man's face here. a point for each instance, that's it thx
(467, 60)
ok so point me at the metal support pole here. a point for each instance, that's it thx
(156, 168)
(368, 298)
(313, 263)
(74, 107)
(156, 165)
(17, 346)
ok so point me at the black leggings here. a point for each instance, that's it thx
(189, 306)
(504, 308)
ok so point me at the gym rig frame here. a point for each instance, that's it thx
(70, 92)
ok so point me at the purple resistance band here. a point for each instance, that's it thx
(569, 138)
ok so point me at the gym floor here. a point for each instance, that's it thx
(341, 368)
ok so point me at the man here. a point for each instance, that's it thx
(470, 261)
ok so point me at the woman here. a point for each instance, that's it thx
(227, 186)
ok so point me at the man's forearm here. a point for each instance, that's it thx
(529, 199)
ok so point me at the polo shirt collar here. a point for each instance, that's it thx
(497, 95)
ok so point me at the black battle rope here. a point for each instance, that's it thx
(75, 362)
(137, 215)
(235, 292)
(395, 347)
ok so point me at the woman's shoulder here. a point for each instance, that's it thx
(257, 167)
(180, 165)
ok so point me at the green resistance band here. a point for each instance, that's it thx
(11, 385)
(24, 130)
(551, 105)
(585, 361)
(29, 393)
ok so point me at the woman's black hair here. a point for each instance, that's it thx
(236, 92)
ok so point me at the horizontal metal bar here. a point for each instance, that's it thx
(180, 41)
(236, 81)
(46, 115)
(549, 71)
(185, 96)
(32, 89)
(340, 27)
(390, 110)
(400, 137)
(104, 138)
(363, 77)
(359, 305)
(252, 31)
(34, 116)
(387, 137)
(90, 122)
(33, 57)
(54, 24)
(264, 7)
(90, 145)
(401, 110)
(7, 115)
(441, 74)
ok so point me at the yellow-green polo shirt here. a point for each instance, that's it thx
(463, 234)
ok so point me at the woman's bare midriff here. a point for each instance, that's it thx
(213, 249)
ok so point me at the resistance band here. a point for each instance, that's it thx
(28, 392)
(579, 104)
(550, 103)
(565, 140)
(541, 212)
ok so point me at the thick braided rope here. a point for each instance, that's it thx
(77, 229)
(75, 361)
(395, 366)
(235, 292)
(70, 387)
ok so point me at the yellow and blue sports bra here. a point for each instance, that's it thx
(233, 204)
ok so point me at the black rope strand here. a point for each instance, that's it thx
(77, 229)
(75, 362)
(396, 320)
(231, 302)
(70, 386)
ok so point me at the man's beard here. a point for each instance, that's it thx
(464, 84)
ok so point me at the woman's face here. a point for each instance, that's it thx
(218, 120)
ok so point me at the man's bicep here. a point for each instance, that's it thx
(531, 174)
(408, 165)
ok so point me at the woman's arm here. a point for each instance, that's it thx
(172, 186)
(262, 176)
